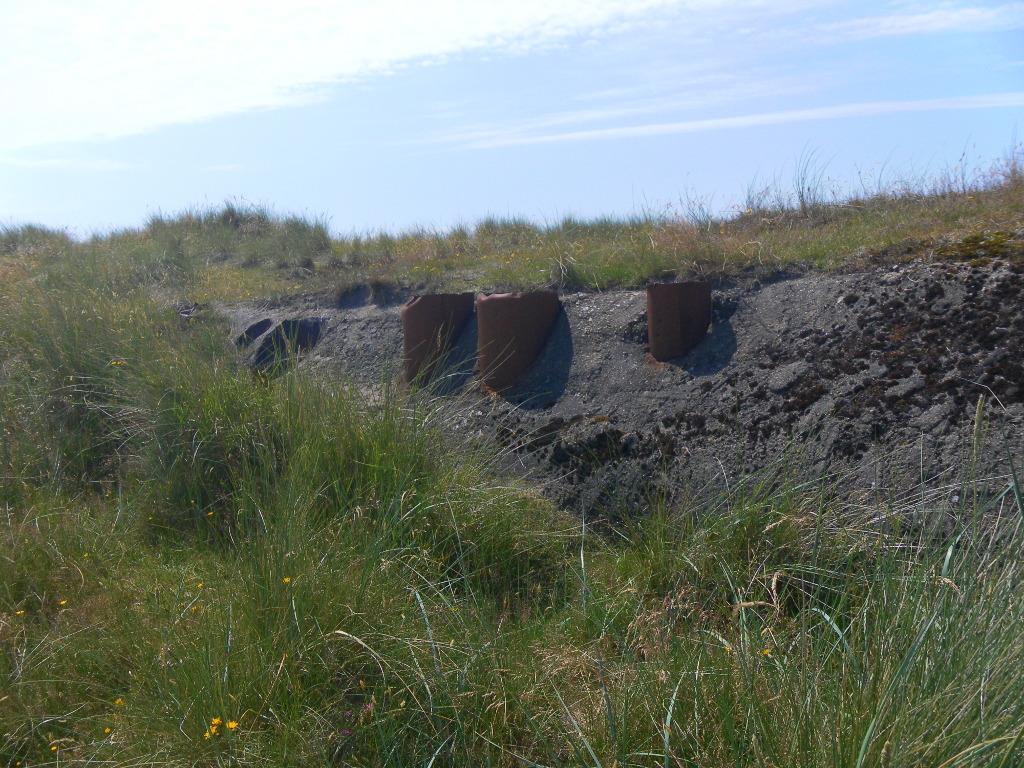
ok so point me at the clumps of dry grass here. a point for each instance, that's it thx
(241, 251)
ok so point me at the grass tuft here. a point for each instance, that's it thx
(203, 567)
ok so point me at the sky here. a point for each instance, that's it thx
(400, 115)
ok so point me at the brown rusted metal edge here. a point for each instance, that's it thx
(512, 330)
(429, 326)
(678, 316)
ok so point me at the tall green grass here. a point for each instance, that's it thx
(199, 566)
(778, 627)
(141, 461)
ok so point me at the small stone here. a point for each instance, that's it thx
(906, 387)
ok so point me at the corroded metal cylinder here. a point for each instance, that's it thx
(429, 326)
(512, 330)
(678, 316)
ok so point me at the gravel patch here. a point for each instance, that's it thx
(873, 376)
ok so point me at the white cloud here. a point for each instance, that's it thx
(695, 94)
(72, 71)
(865, 109)
(69, 163)
(1001, 17)
(225, 168)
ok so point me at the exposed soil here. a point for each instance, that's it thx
(875, 375)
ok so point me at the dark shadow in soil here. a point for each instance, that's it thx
(379, 294)
(253, 332)
(545, 381)
(285, 342)
(716, 349)
(356, 296)
(712, 354)
(388, 295)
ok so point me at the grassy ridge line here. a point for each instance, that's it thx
(198, 567)
(243, 251)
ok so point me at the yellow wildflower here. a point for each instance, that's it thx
(232, 725)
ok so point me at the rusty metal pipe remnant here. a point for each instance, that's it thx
(678, 316)
(512, 330)
(429, 326)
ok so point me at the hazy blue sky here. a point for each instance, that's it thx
(394, 114)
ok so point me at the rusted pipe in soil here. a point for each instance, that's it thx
(678, 316)
(512, 330)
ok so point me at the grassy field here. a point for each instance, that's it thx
(204, 568)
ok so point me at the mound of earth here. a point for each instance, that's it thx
(874, 375)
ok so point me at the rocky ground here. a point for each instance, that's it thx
(873, 375)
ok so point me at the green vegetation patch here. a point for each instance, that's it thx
(1008, 246)
(199, 566)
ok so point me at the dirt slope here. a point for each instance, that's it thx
(875, 374)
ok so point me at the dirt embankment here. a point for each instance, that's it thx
(875, 374)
